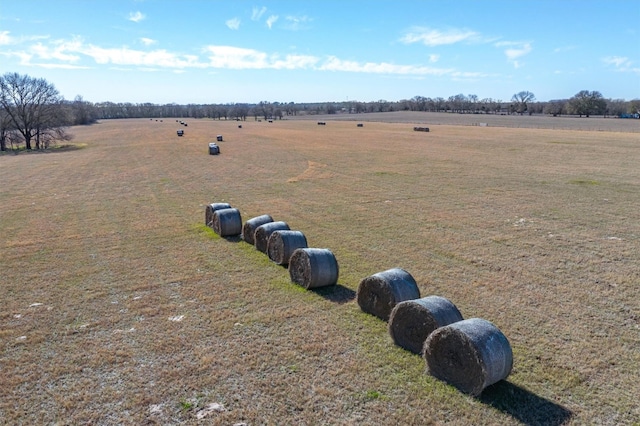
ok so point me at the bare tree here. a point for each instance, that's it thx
(5, 129)
(556, 107)
(33, 106)
(588, 103)
(521, 99)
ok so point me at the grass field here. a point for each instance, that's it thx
(118, 306)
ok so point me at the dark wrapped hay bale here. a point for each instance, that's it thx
(470, 354)
(313, 267)
(214, 149)
(412, 321)
(282, 244)
(263, 232)
(379, 293)
(227, 222)
(250, 226)
(208, 212)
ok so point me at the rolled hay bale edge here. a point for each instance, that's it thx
(379, 293)
(249, 227)
(412, 321)
(227, 222)
(282, 244)
(470, 355)
(313, 268)
(263, 232)
(208, 212)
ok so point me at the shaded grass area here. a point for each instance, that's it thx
(120, 306)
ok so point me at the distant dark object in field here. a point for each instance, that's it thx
(214, 149)
(360, 125)
(250, 226)
(470, 354)
(313, 268)
(270, 121)
(208, 212)
(282, 244)
(240, 126)
(412, 321)
(219, 138)
(185, 124)
(263, 232)
(180, 132)
(420, 129)
(322, 123)
(379, 293)
(227, 222)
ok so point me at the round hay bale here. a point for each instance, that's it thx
(313, 267)
(263, 232)
(379, 293)
(282, 244)
(208, 212)
(412, 321)
(227, 222)
(249, 227)
(470, 354)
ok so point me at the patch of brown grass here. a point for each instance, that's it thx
(120, 307)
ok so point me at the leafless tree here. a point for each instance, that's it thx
(521, 99)
(34, 108)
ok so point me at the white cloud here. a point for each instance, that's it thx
(5, 38)
(432, 37)
(155, 58)
(147, 41)
(514, 50)
(136, 16)
(617, 61)
(295, 23)
(59, 51)
(240, 58)
(621, 63)
(336, 64)
(271, 20)
(233, 24)
(74, 53)
(257, 13)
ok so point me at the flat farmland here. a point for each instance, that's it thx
(118, 306)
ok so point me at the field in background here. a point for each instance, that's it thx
(609, 124)
(119, 307)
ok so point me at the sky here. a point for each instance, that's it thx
(237, 51)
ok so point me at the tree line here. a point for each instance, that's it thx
(33, 112)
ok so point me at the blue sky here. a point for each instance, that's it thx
(215, 51)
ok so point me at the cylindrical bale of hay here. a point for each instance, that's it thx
(470, 354)
(313, 267)
(412, 321)
(263, 232)
(250, 226)
(282, 244)
(379, 293)
(227, 222)
(208, 212)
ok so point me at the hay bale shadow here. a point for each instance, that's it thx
(233, 238)
(525, 406)
(336, 293)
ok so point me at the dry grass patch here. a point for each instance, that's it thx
(119, 306)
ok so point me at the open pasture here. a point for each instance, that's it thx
(118, 306)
